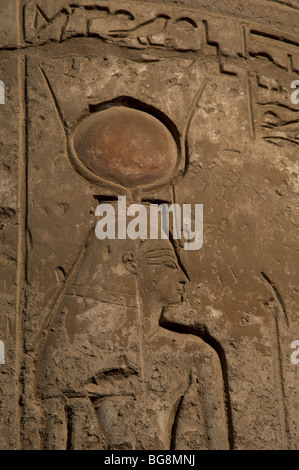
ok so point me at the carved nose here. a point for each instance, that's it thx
(183, 279)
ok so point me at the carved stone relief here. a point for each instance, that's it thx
(140, 344)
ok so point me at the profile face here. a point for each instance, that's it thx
(159, 273)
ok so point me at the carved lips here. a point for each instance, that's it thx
(126, 146)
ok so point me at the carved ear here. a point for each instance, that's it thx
(129, 262)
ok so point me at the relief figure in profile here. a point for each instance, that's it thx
(108, 356)
(110, 374)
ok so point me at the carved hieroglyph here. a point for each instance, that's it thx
(103, 349)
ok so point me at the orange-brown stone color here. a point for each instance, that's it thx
(126, 146)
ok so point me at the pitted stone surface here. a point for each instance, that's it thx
(126, 146)
(129, 344)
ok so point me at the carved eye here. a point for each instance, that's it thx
(170, 264)
(271, 119)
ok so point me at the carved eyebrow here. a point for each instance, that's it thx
(159, 252)
(161, 258)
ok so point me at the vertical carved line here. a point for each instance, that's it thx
(141, 349)
(174, 428)
(283, 409)
(250, 106)
(279, 298)
(184, 137)
(281, 390)
(22, 233)
(20, 24)
(69, 423)
(58, 110)
(244, 42)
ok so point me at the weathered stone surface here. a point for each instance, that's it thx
(127, 146)
(146, 345)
